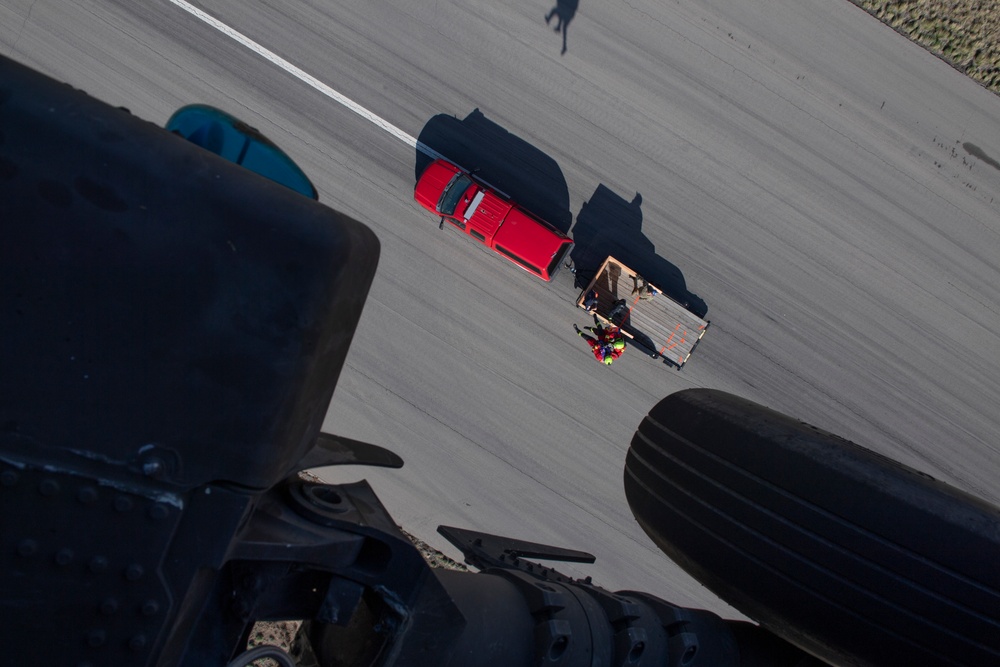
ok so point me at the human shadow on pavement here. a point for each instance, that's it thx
(503, 160)
(610, 225)
(564, 11)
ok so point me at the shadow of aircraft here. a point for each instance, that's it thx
(610, 225)
(508, 163)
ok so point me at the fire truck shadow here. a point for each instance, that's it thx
(505, 161)
(610, 225)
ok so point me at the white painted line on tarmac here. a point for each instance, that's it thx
(307, 78)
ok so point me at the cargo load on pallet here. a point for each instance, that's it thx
(653, 320)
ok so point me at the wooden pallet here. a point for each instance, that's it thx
(659, 323)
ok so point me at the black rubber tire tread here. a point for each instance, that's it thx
(853, 557)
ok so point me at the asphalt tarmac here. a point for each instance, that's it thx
(827, 191)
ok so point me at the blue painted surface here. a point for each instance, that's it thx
(227, 136)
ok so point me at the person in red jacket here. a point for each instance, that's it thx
(617, 346)
(611, 336)
(603, 352)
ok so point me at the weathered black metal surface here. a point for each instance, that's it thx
(172, 330)
(854, 557)
(172, 305)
